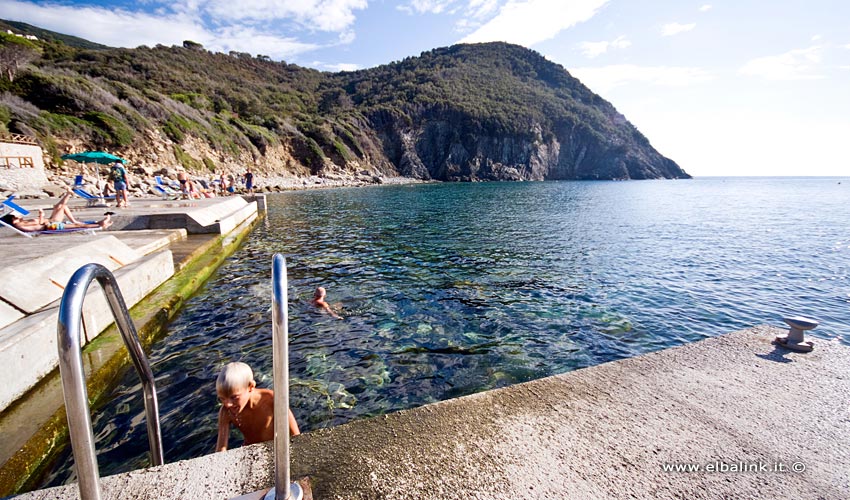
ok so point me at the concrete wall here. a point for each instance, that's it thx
(15, 177)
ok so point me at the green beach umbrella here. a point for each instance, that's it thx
(93, 157)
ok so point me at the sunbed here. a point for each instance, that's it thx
(8, 206)
(92, 200)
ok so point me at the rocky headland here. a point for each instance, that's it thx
(479, 112)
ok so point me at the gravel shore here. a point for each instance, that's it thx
(142, 186)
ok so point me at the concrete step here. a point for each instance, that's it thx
(197, 217)
(28, 346)
(33, 283)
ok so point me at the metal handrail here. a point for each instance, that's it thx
(283, 490)
(73, 376)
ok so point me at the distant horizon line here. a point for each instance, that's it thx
(777, 175)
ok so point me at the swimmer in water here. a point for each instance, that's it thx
(319, 301)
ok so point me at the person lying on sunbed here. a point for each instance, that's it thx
(56, 221)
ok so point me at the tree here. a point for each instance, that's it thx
(189, 44)
(16, 51)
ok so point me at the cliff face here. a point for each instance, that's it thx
(499, 112)
(463, 113)
(444, 149)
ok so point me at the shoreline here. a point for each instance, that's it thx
(282, 183)
(142, 185)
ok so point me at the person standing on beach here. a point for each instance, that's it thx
(118, 176)
(185, 184)
(249, 181)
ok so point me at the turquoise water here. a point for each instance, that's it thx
(451, 289)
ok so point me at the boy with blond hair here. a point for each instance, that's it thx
(250, 409)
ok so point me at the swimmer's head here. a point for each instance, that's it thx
(319, 293)
(234, 377)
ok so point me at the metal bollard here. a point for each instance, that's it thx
(796, 340)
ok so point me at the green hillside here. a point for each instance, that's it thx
(28, 29)
(468, 112)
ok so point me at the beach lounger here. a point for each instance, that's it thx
(165, 190)
(92, 200)
(30, 234)
(173, 185)
(8, 206)
(166, 194)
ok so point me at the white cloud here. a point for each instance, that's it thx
(116, 28)
(671, 29)
(676, 28)
(475, 9)
(335, 67)
(705, 8)
(347, 37)
(528, 22)
(245, 39)
(734, 141)
(593, 49)
(605, 78)
(182, 21)
(482, 8)
(474, 15)
(799, 64)
(322, 15)
(425, 6)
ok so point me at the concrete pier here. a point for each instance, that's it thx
(732, 416)
(160, 253)
(35, 271)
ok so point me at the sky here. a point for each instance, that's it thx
(732, 87)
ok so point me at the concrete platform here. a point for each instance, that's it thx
(35, 271)
(728, 417)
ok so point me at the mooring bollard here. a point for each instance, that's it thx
(796, 339)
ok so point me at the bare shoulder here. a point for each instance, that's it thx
(266, 401)
(266, 395)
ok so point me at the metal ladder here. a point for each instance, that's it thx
(76, 395)
(73, 376)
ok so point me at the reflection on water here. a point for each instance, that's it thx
(453, 289)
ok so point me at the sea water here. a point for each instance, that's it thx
(452, 289)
